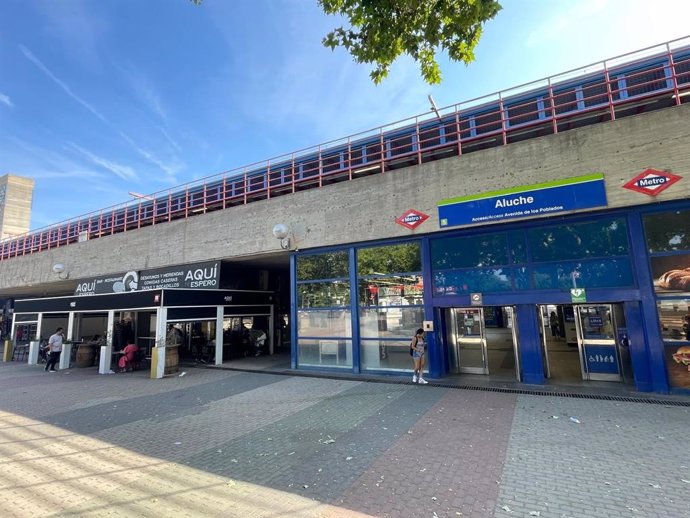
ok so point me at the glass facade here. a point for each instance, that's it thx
(667, 236)
(593, 254)
(324, 315)
(391, 304)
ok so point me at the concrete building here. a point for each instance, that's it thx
(541, 236)
(16, 195)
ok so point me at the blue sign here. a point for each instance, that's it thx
(542, 199)
(595, 321)
(601, 359)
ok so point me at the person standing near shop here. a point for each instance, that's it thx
(54, 348)
(418, 352)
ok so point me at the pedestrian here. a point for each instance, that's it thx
(55, 348)
(418, 352)
(128, 359)
(553, 323)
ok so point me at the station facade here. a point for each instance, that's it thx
(559, 257)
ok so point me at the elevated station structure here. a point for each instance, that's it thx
(540, 234)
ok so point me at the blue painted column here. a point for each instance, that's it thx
(649, 344)
(434, 346)
(529, 346)
(293, 312)
(634, 322)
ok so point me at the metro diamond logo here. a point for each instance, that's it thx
(652, 182)
(412, 219)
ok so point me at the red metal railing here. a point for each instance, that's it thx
(652, 78)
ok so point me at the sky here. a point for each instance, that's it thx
(100, 98)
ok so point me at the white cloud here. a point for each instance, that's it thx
(123, 171)
(170, 169)
(5, 99)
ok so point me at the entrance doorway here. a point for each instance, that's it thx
(482, 340)
(584, 342)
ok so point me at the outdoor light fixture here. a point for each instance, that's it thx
(282, 232)
(433, 107)
(60, 270)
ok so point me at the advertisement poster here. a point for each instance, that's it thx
(671, 274)
(674, 316)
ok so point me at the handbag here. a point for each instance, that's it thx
(412, 347)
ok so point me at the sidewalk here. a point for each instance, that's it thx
(219, 442)
(280, 364)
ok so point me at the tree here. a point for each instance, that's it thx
(381, 30)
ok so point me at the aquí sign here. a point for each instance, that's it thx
(200, 275)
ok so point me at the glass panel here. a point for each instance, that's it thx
(469, 252)
(602, 238)
(26, 317)
(25, 333)
(596, 322)
(323, 294)
(614, 273)
(395, 290)
(674, 316)
(324, 323)
(473, 281)
(667, 232)
(386, 355)
(469, 325)
(379, 260)
(325, 353)
(323, 266)
(390, 322)
(518, 250)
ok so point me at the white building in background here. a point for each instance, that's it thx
(16, 195)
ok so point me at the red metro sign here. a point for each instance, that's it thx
(412, 219)
(652, 182)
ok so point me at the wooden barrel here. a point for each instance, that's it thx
(85, 355)
(172, 360)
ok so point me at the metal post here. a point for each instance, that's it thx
(220, 311)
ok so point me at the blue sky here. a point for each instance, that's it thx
(99, 98)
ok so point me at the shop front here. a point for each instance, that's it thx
(166, 314)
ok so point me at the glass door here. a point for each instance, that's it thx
(596, 337)
(470, 340)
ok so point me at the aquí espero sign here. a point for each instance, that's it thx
(540, 199)
(189, 276)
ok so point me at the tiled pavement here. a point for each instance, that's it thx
(225, 443)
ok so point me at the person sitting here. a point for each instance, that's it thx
(127, 360)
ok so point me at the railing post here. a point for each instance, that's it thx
(608, 91)
(504, 133)
(382, 151)
(267, 179)
(552, 101)
(674, 77)
(349, 158)
(320, 167)
(457, 130)
(419, 142)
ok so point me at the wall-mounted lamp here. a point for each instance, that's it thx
(60, 270)
(282, 232)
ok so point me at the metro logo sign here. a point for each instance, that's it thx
(652, 182)
(412, 219)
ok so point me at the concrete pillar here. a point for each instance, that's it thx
(158, 351)
(107, 349)
(34, 347)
